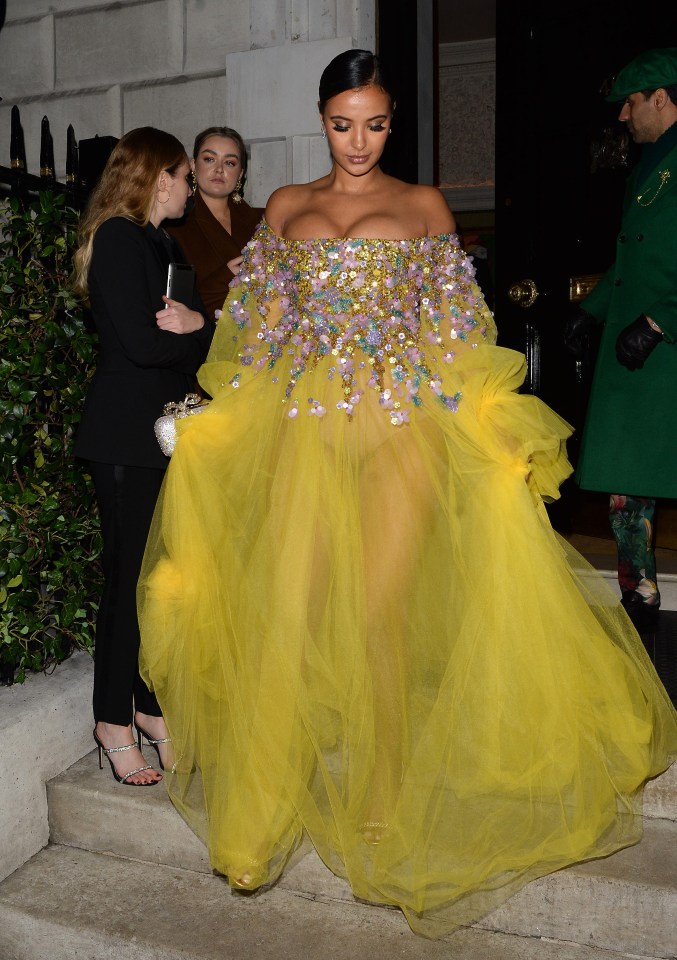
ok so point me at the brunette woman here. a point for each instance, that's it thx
(220, 222)
(363, 630)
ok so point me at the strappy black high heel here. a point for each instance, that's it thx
(132, 773)
(155, 744)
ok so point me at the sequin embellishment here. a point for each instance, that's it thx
(363, 303)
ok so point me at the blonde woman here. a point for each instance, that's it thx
(150, 348)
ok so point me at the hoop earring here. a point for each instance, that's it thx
(159, 196)
(237, 190)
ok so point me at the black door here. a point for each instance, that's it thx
(562, 159)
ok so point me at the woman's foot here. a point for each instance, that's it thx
(242, 883)
(247, 882)
(155, 729)
(372, 831)
(111, 735)
(248, 876)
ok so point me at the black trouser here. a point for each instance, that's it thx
(126, 498)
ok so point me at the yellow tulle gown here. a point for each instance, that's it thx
(362, 630)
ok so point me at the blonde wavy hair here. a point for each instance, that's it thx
(127, 188)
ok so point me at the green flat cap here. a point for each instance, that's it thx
(649, 71)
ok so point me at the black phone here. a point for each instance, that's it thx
(181, 282)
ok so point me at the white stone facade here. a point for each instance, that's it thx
(182, 65)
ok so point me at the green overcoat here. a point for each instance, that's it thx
(629, 442)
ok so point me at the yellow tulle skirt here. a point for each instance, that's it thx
(368, 638)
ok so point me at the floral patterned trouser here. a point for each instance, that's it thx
(632, 523)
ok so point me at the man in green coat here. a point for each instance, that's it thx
(629, 440)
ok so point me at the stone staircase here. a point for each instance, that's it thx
(123, 877)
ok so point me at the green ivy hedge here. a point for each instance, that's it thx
(50, 545)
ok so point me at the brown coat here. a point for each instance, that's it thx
(208, 246)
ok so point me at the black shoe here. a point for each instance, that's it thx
(644, 615)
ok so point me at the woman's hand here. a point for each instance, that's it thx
(178, 318)
(234, 265)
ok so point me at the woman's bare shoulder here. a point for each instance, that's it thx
(284, 201)
(432, 204)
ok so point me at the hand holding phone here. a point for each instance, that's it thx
(181, 282)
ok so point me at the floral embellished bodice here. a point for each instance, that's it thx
(382, 315)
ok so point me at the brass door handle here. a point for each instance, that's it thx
(581, 286)
(523, 293)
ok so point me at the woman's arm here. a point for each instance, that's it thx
(122, 288)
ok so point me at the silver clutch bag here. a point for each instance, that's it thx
(165, 426)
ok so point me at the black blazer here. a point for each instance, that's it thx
(140, 367)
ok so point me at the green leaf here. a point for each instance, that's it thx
(49, 528)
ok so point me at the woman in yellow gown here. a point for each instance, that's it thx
(362, 630)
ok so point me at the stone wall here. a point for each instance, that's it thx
(45, 726)
(181, 65)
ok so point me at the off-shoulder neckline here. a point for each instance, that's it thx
(432, 236)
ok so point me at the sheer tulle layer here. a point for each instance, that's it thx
(370, 637)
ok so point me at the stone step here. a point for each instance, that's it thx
(624, 903)
(660, 796)
(601, 552)
(88, 809)
(67, 903)
(149, 894)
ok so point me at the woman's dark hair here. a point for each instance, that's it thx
(349, 71)
(223, 132)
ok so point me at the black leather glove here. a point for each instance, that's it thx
(576, 330)
(635, 342)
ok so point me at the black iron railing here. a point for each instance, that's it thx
(84, 163)
(16, 181)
